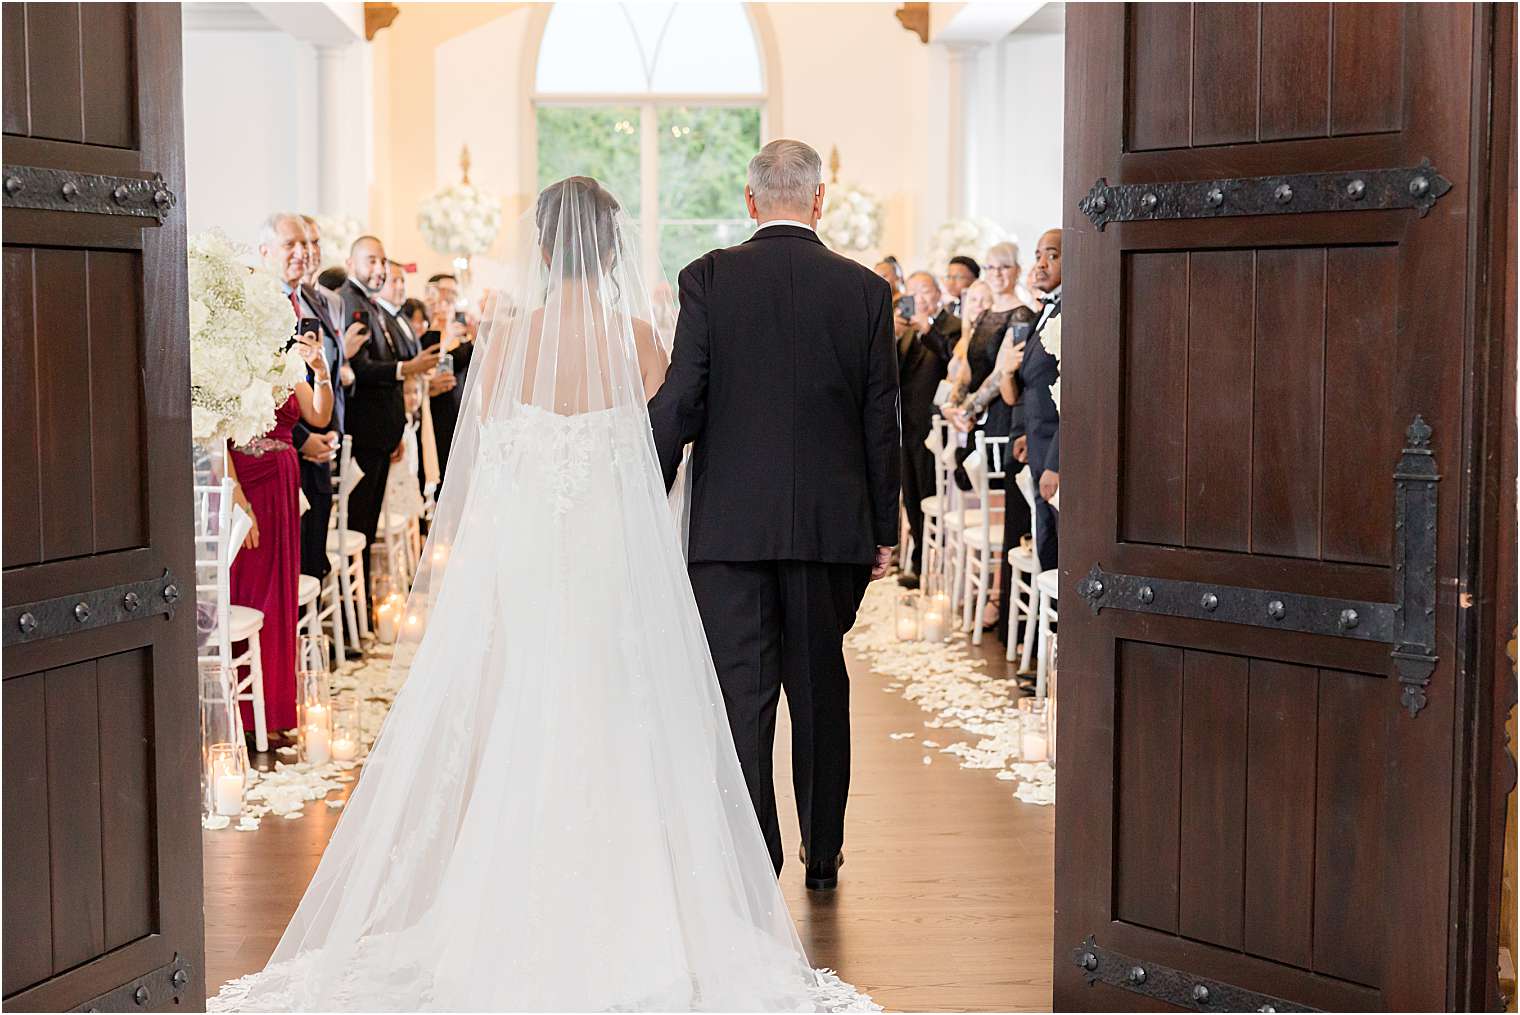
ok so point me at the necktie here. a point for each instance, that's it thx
(295, 303)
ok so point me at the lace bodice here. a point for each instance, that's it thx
(561, 454)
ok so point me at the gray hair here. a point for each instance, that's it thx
(785, 174)
(269, 232)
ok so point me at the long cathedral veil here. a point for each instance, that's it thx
(553, 816)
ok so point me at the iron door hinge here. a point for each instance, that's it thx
(49, 618)
(1408, 623)
(1174, 986)
(69, 190)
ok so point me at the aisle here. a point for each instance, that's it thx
(944, 903)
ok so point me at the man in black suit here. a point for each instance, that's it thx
(285, 248)
(924, 346)
(784, 374)
(1038, 372)
(376, 412)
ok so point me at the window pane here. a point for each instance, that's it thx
(596, 141)
(708, 48)
(683, 242)
(590, 49)
(704, 152)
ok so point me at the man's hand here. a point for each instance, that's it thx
(439, 384)
(354, 338)
(1010, 358)
(921, 323)
(883, 561)
(320, 447)
(454, 334)
(346, 375)
(422, 362)
(1021, 448)
(1050, 482)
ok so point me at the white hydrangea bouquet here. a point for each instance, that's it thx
(852, 218)
(239, 324)
(963, 238)
(460, 220)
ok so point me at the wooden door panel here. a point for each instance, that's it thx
(102, 890)
(1231, 402)
(1232, 73)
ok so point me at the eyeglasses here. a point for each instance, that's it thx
(1000, 267)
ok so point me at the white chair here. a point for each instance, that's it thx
(983, 538)
(400, 542)
(345, 551)
(214, 551)
(1025, 564)
(1048, 584)
(933, 555)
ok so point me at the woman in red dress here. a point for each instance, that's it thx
(267, 475)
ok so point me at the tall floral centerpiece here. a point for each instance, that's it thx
(240, 369)
(968, 237)
(852, 215)
(460, 220)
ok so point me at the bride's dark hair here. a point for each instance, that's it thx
(593, 214)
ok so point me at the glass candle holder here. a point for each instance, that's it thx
(1050, 695)
(314, 700)
(935, 625)
(224, 755)
(347, 726)
(1034, 744)
(905, 616)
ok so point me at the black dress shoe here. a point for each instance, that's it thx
(822, 876)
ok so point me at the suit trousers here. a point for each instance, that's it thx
(1047, 521)
(917, 483)
(781, 624)
(367, 498)
(316, 483)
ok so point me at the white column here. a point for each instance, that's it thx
(330, 106)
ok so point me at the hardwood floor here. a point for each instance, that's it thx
(944, 903)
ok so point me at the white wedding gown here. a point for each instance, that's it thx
(553, 817)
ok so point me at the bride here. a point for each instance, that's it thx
(553, 817)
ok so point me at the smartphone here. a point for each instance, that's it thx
(906, 307)
(430, 339)
(362, 316)
(446, 363)
(460, 318)
(309, 324)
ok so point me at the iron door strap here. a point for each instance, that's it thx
(159, 989)
(1417, 187)
(41, 189)
(1408, 623)
(1174, 986)
(49, 618)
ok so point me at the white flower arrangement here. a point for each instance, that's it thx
(239, 324)
(963, 238)
(460, 220)
(852, 218)
(338, 236)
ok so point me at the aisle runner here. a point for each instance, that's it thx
(285, 791)
(948, 681)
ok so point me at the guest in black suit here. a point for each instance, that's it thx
(457, 337)
(285, 247)
(1042, 418)
(924, 347)
(376, 412)
(784, 374)
(959, 276)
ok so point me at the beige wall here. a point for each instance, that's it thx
(838, 74)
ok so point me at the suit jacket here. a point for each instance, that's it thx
(784, 374)
(1037, 373)
(376, 411)
(923, 361)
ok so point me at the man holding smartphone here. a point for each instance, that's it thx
(455, 335)
(376, 414)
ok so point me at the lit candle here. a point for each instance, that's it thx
(385, 619)
(1036, 747)
(907, 630)
(227, 790)
(934, 625)
(318, 745)
(345, 748)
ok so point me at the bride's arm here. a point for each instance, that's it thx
(652, 359)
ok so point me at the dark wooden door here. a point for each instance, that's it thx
(102, 867)
(1256, 810)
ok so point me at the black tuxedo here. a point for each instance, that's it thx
(316, 477)
(1042, 420)
(376, 413)
(784, 376)
(923, 363)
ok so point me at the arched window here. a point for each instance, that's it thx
(662, 102)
